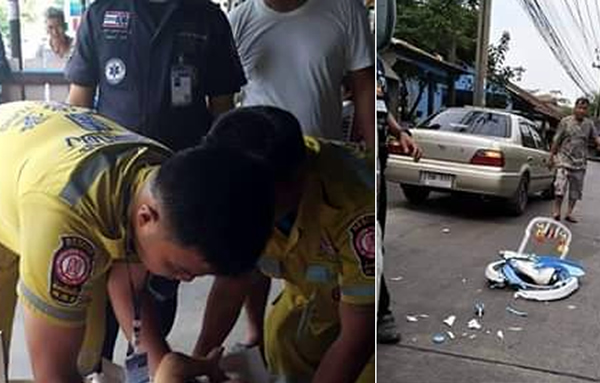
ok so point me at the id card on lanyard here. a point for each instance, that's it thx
(182, 83)
(136, 364)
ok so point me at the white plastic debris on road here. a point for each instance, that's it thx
(500, 335)
(450, 320)
(474, 324)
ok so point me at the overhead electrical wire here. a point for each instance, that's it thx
(567, 34)
(593, 30)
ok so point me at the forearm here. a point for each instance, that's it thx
(255, 305)
(553, 149)
(81, 96)
(222, 310)
(364, 104)
(173, 369)
(350, 354)
(151, 340)
(53, 349)
(352, 349)
(393, 127)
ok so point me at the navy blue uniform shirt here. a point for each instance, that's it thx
(129, 55)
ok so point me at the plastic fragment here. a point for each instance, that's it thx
(450, 320)
(411, 318)
(445, 230)
(474, 324)
(396, 279)
(479, 309)
(450, 334)
(438, 338)
(513, 310)
(515, 329)
(500, 335)
(571, 307)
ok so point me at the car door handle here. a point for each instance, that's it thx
(529, 159)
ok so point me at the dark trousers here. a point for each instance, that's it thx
(164, 294)
(384, 294)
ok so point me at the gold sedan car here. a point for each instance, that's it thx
(475, 150)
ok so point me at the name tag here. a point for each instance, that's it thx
(136, 366)
(181, 85)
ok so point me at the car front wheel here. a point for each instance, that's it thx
(415, 194)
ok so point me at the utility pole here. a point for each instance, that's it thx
(596, 99)
(15, 32)
(483, 40)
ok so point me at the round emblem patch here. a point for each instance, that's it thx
(115, 71)
(364, 242)
(362, 237)
(73, 266)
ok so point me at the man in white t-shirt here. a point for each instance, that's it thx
(297, 52)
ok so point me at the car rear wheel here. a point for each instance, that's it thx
(518, 202)
(415, 194)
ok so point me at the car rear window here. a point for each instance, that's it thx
(467, 121)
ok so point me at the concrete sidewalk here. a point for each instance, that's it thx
(192, 299)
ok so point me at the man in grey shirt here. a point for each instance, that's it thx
(568, 154)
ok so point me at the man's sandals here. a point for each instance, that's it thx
(571, 219)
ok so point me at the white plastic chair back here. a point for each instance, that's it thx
(547, 229)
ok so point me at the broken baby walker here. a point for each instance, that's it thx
(538, 277)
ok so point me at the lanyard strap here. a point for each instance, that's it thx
(137, 309)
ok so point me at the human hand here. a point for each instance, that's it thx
(409, 146)
(179, 368)
(551, 162)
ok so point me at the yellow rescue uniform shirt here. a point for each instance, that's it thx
(329, 254)
(66, 178)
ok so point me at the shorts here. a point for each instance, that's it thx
(569, 179)
(292, 358)
(89, 355)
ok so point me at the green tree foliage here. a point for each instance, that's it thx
(4, 28)
(447, 27)
(500, 74)
(594, 109)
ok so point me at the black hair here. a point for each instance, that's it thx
(582, 101)
(55, 13)
(266, 131)
(220, 202)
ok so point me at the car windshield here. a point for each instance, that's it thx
(469, 121)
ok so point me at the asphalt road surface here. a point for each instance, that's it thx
(434, 265)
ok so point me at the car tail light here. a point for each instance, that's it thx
(488, 158)
(394, 147)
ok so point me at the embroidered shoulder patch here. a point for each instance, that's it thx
(72, 266)
(88, 122)
(362, 237)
